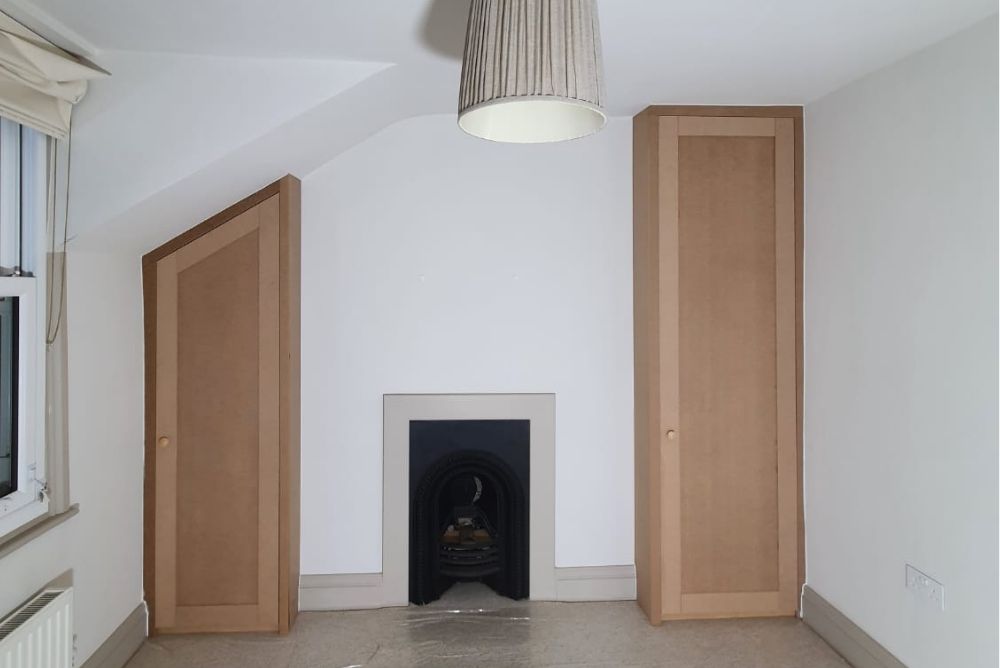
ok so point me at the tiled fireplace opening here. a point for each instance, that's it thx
(469, 501)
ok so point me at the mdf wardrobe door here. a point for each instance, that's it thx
(717, 496)
(727, 374)
(217, 429)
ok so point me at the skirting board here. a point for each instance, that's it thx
(359, 591)
(123, 642)
(843, 635)
(347, 591)
(596, 583)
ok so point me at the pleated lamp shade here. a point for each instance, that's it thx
(532, 71)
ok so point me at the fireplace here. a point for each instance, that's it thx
(469, 501)
(413, 443)
(415, 440)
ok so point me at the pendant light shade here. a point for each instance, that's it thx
(532, 71)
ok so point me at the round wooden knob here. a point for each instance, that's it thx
(163, 441)
(671, 434)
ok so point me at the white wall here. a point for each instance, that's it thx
(162, 117)
(102, 544)
(436, 262)
(901, 349)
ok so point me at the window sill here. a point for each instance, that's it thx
(34, 529)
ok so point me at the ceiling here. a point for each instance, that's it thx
(211, 99)
(710, 51)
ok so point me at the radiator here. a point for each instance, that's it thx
(39, 634)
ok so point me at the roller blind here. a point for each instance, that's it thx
(39, 82)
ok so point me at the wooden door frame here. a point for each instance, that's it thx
(648, 543)
(289, 246)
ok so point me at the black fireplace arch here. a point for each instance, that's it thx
(502, 564)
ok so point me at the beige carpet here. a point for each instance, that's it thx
(472, 626)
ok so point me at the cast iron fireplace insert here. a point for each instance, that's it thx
(468, 506)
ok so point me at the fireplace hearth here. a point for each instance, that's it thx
(468, 506)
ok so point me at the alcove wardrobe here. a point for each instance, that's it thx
(221, 498)
(717, 243)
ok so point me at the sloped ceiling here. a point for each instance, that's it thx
(210, 99)
(162, 117)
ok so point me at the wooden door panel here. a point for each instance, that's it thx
(668, 284)
(785, 331)
(728, 465)
(729, 512)
(165, 483)
(730, 126)
(216, 383)
(218, 470)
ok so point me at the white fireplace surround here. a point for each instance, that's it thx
(399, 410)
(391, 586)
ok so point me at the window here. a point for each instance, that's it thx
(23, 206)
(8, 395)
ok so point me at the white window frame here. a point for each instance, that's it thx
(28, 501)
(27, 196)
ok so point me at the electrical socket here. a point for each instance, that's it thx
(925, 586)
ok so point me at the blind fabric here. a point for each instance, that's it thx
(39, 82)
